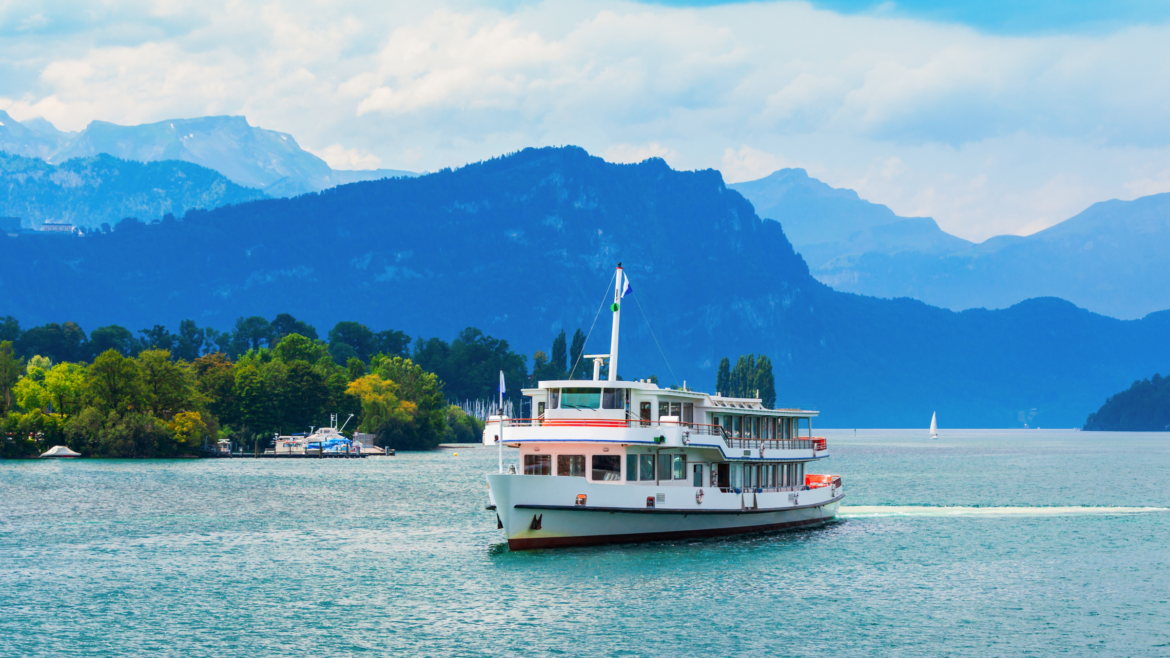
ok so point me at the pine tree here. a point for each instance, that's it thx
(723, 378)
(575, 351)
(739, 378)
(559, 353)
(765, 381)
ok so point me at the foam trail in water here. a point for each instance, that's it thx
(909, 510)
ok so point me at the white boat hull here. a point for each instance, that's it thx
(540, 511)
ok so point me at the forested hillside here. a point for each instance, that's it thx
(101, 189)
(1143, 407)
(524, 247)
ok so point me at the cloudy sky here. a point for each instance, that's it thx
(989, 117)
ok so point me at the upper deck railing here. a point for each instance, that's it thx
(805, 443)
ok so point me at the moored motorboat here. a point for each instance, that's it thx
(607, 461)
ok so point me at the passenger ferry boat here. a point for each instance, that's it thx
(607, 461)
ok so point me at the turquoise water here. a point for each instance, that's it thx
(398, 556)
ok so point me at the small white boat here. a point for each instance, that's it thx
(934, 425)
(60, 451)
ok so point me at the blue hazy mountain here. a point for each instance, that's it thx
(246, 155)
(34, 139)
(523, 246)
(101, 189)
(1108, 259)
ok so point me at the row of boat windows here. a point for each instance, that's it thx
(758, 427)
(605, 467)
(587, 398)
(659, 468)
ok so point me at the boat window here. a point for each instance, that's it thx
(680, 467)
(538, 464)
(611, 398)
(539, 409)
(663, 409)
(580, 398)
(665, 463)
(607, 467)
(645, 414)
(646, 468)
(554, 398)
(631, 468)
(688, 412)
(571, 465)
(698, 481)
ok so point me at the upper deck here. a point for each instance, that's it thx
(641, 413)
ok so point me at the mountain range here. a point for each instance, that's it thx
(523, 246)
(1108, 259)
(101, 189)
(246, 155)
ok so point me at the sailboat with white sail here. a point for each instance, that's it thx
(934, 425)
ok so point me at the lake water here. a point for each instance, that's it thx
(398, 556)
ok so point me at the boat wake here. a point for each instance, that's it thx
(863, 511)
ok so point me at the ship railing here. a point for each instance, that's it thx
(790, 488)
(811, 443)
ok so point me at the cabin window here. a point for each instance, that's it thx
(688, 412)
(737, 476)
(580, 398)
(698, 479)
(737, 424)
(554, 398)
(680, 467)
(611, 398)
(538, 464)
(571, 465)
(539, 409)
(645, 414)
(631, 468)
(646, 467)
(665, 466)
(607, 468)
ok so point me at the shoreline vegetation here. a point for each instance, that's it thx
(163, 394)
(1143, 407)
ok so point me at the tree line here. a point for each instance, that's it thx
(751, 377)
(162, 394)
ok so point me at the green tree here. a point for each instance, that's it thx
(65, 383)
(215, 380)
(167, 387)
(9, 329)
(10, 368)
(158, 337)
(560, 354)
(251, 333)
(766, 381)
(575, 352)
(189, 341)
(59, 342)
(723, 378)
(114, 383)
(285, 324)
(113, 337)
(295, 347)
(254, 395)
(357, 336)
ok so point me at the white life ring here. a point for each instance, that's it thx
(699, 496)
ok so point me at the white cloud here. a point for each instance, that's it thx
(629, 153)
(988, 134)
(339, 157)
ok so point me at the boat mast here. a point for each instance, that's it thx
(617, 317)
